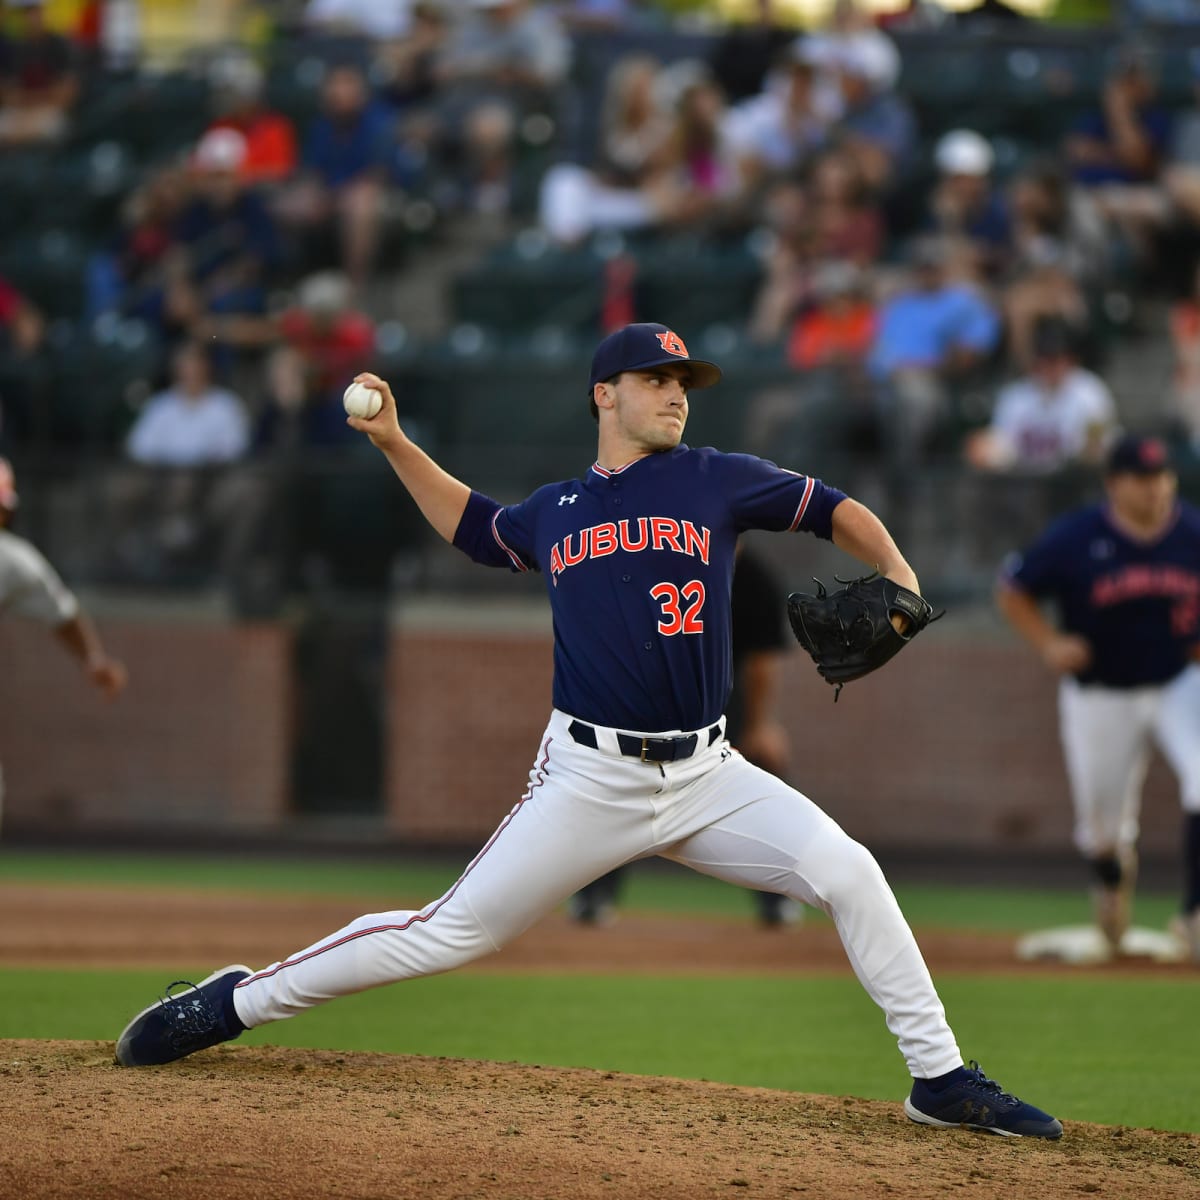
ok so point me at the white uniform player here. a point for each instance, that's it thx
(31, 588)
(1125, 579)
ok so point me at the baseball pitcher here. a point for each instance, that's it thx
(637, 555)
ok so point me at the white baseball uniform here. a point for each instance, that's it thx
(31, 588)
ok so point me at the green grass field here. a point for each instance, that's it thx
(1117, 1051)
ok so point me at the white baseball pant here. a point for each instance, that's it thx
(588, 810)
(1107, 735)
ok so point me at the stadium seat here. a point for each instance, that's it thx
(98, 377)
(49, 268)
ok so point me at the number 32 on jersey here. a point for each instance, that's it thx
(680, 607)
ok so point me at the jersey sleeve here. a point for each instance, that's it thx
(34, 589)
(1037, 570)
(497, 535)
(766, 496)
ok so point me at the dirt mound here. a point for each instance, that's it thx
(238, 1122)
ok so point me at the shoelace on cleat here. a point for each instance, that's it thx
(188, 1014)
(991, 1086)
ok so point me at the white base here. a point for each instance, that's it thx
(1082, 945)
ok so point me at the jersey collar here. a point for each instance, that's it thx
(1137, 539)
(598, 472)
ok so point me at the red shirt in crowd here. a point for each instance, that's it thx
(334, 349)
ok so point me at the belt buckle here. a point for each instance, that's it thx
(645, 747)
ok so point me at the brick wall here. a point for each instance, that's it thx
(200, 738)
(954, 746)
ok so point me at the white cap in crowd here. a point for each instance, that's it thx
(964, 152)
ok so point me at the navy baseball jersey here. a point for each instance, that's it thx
(1137, 603)
(638, 565)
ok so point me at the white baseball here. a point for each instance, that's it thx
(362, 401)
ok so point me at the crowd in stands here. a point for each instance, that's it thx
(927, 293)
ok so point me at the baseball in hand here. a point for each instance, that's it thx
(362, 401)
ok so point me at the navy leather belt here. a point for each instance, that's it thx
(647, 749)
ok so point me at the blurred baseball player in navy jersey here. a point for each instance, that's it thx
(637, 555)
(1124, 579)
(31, 588)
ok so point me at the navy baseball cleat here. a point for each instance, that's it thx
(179, 1024)
(970, 1099)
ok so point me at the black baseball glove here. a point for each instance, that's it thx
(849, 633)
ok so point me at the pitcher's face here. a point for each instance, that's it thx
(650, 407)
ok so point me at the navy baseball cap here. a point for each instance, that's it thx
(643, 346)
(1138, 455)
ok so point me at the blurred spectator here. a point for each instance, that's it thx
(745, 53)
(631, 153)
(129, 274)
(22, 332)
(876, 125)
(346, 154)
(22, 326)
(964, 201)
(1042, 288)
(1060, 252)
(1051, 221)
(379, 20)
(225, 245)
(700, 183)
(1121, 141)
(1116, 152)
(323, 341)
(192, 423)
(1185, 342)
(777, 131)
(503, 60)
(789, 262)
(847, 223)
(405, 66)
(179, 500)
(39, 82)
(634, 127)
(1056, 416)
(270, 155)
(838, 329)
(931, 334)
(828, 407)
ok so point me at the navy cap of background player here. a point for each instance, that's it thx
(643, 346)
(1138, 455)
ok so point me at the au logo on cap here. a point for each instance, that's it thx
(672, 343)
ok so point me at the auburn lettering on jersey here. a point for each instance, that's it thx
(631, 536)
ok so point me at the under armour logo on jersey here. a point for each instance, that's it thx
(568, 499)
(672, 343)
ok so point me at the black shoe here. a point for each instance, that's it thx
(977, 1102)
(179, 1024)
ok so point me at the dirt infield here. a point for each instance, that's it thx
(136, 927)
(269, 1122)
